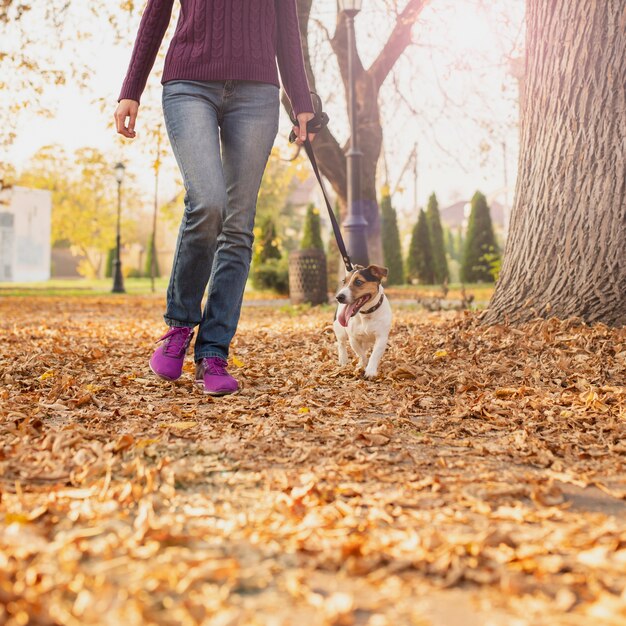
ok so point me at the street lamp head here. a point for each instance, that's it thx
(119, 172)
(350, 7)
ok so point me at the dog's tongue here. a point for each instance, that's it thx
(349, 310)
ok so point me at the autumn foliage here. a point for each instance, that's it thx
(484, 465)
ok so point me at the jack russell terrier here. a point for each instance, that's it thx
(363, 317)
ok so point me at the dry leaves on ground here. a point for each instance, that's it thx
(483, 472)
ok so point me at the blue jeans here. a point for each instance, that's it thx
(214, 246)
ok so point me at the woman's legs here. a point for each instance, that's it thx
(191, 110)
(215, 237)
(249, 124)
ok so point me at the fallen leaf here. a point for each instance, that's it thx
(373, 439)
(183, 425)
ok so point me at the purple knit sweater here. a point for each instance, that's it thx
(222, 40)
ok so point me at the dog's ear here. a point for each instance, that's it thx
(378, 271)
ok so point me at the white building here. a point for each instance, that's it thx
(25, 216)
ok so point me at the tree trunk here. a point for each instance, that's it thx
(566, 249)
(328, 152)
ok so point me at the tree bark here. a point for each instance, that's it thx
(566, 250)
(329, 153)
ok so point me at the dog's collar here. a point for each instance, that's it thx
(376, 306)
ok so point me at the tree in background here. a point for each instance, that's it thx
(312, 237)
(32, 72)
(440, 264)
(147, 271)
(369, 82)
(392, 250)
(269, 267)
(420, 265)
(481, 249)
(84, 201)
(279, 178)
(267, 243)
(29, 68)
(566, 248)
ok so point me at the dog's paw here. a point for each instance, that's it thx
(371, 374)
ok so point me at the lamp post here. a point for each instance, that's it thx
(118, 279)
(354, 224)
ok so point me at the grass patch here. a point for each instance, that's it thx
(82, 287)
(482, 291)
(85, 287)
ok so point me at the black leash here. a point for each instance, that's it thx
(315, 125)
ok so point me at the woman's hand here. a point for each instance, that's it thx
(300, 130)
(126, 108)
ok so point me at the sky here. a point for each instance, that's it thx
(452, 94)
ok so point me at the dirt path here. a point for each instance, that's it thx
(480, 480)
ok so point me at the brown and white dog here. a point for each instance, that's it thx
(363, 317)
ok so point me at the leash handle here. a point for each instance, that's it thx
(315, 125)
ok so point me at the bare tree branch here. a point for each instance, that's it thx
(323, 28)
(397, 42)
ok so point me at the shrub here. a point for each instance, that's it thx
(267, 243)
(273, 274)
(312, 237)
(131, 272)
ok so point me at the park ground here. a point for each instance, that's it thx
(480, 480)
(481, 293)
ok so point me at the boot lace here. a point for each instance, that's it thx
(216, 366)
(176, 341)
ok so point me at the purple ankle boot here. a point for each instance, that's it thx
(211, 372)
(167, 360)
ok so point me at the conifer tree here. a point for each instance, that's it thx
(392, 251)
(420, 259)
(312, 237)
(481, 249)
(269, 267)
(440, 264)
(268, 245)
